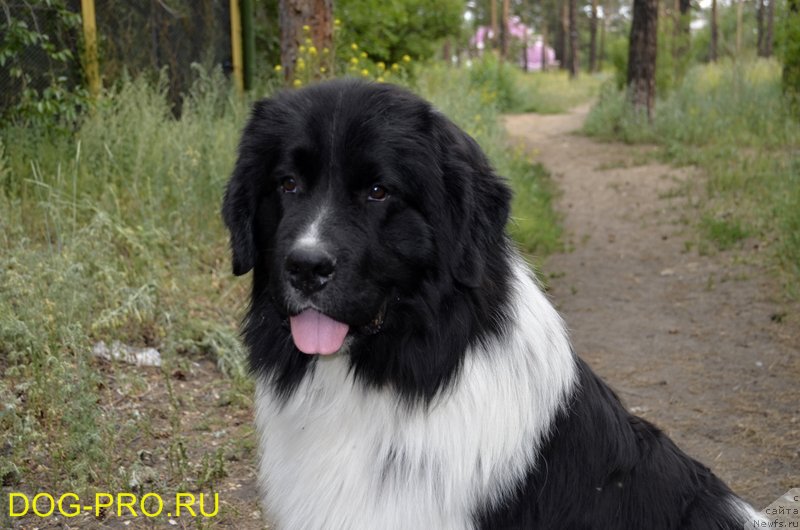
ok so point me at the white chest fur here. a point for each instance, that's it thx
(341, 456)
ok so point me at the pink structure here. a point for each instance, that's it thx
(532, 55)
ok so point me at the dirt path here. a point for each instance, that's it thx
(699, 344)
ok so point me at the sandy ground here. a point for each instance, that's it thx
(705, 346)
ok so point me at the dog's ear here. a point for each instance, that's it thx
(481, 199)
(245, 188)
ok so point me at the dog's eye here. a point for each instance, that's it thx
(378, 193)
(288, 185)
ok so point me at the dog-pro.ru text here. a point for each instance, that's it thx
(102, 504)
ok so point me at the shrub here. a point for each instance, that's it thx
(496, 81)
(39, 95)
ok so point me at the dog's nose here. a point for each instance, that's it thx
(309, 269)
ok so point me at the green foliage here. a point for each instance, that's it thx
(733, 120)
(496, 80)
(618, 57)
(54, 101)
(267, 35)
(790, 49)
(390, 29)
(350, 60)
(726, 22)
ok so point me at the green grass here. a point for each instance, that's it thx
(733, 121)
(108, 234)
(553, 92)
(513, 91)
(724, 233)
(113, 233)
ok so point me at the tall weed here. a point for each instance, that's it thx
(109, 233)
(496, 81)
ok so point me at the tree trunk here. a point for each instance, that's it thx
(562, 44)
(676, 33)
(770, 26)
(682, 35)
(602, 52)
(493, 10)
(642, 56)
(504, 31)
(791, 59)
(544, 47)
(685, 7)
(593, 38)
(524, 57)
(760, 26)
(712, 53)
(739, 6)
(292, 16)
(572, 57)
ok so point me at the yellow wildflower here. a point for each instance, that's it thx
(306, 28)
(395, 67)
(406, 58)
(278, 68)
(297, 83)
(354, 60)
(381, 66)
(302, 49)
(354, 46)
(365, 72)
(312, 50)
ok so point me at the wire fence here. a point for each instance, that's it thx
(135, 37)
(40, 68)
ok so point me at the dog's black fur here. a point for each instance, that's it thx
(604, 468)
(437, 245)
(420, 277)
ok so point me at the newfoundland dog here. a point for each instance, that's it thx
(410, 372)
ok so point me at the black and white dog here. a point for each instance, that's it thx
(410, 372)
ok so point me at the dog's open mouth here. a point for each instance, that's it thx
(314, 332)
(317, 333)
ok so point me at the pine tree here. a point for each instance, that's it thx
(642, 56)
(293, 15)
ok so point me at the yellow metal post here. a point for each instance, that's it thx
(236, 45)
(90, 61)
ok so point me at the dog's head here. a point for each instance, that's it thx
(364, 213)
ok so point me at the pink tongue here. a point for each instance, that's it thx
(314, 332)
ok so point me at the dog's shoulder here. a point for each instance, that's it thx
(603, 467)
